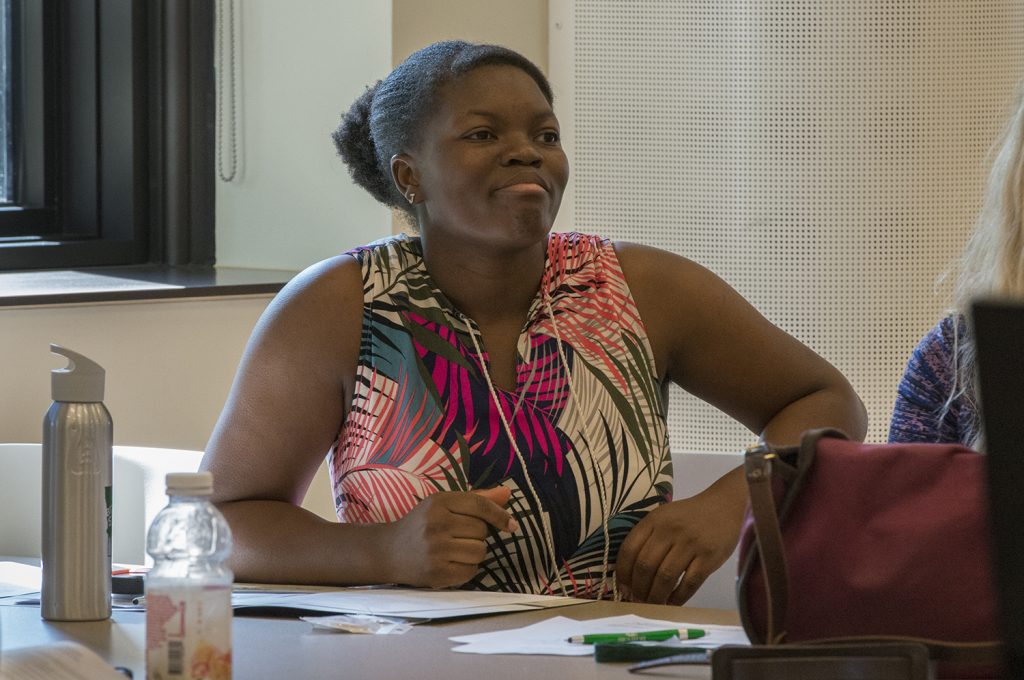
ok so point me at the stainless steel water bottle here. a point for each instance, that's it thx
(77, 462)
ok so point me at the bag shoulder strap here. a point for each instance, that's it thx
(759, 465)
(768, 536)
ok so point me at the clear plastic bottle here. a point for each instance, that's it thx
(188, 589)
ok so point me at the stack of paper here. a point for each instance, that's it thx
(408, 603)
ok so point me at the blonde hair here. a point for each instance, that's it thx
(992, 264)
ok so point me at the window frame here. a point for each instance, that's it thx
(127, 111)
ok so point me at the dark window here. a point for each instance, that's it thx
(107, 115)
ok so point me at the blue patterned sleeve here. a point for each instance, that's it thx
(924, 389)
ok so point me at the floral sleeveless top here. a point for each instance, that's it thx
(589, 421)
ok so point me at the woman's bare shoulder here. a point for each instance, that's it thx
(648, 264)
(319, 300)
(663, 282)
(339, 277)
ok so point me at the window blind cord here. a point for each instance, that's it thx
(227, 86)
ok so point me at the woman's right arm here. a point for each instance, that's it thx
(284, 412)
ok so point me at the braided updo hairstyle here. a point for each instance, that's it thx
(386, 119)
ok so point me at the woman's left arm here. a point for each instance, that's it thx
(711, 342)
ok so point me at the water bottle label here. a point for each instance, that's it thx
(188, 633)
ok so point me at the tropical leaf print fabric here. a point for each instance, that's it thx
(589, 422)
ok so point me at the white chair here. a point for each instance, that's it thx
(693, 472)
(138, 494)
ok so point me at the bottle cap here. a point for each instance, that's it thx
(190, 483)
(80, 381)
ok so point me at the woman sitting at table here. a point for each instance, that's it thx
(936, 399)
(493, 395)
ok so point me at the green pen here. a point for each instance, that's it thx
(656, 635)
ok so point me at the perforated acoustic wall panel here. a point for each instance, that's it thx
(826, 158)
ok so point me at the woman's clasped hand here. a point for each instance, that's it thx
(441, 541)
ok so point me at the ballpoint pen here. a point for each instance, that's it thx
(656, 635)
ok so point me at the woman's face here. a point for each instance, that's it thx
(489, 168)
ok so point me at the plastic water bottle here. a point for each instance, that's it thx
(188, 589)
(77, 494)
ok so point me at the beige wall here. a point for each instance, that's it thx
(520, 25)
(169, 364)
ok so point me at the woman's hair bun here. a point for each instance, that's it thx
(354, 143)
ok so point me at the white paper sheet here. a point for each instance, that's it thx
(550, 636)
(56, 661)
(19, 579)
(409, 603)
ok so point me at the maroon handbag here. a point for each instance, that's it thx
(846, 541)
